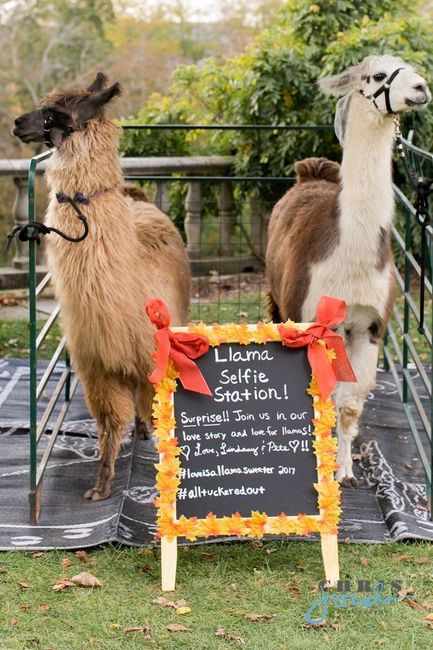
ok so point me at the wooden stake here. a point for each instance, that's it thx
(168, 563)
(330, 558)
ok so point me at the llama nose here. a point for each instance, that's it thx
(18, 121)
(422, 88)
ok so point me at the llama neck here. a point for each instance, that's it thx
(87, 161)
(366, 198)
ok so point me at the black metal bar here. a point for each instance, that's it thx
(227, 127)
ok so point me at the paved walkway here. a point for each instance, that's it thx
(20, 311)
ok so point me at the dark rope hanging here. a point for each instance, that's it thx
(422, 216)
(422, 189)
(33, 230)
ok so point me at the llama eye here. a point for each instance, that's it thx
(380, 76)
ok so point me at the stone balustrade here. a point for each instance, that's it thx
(162, 171)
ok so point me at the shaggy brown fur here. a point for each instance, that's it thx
(133, 253)
(136, 193)
(307, 214)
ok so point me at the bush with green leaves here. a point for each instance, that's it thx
(275, 82)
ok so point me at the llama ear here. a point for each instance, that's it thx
(104, 96)
(98, 84)
(343, 83)
(92, 105)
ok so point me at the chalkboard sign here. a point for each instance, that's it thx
(255, 457)
(249, 446)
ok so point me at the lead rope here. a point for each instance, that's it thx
(33, 230)
(422, 189)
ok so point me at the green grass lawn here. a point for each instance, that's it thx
(222, 585)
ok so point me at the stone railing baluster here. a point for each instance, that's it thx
(226, 216)
(192, 221)
(162, 199)
(20, 213)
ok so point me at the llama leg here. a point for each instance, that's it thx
(143, 411)
(111, 404)
(350, 398)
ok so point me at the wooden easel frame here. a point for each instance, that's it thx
(168, 470)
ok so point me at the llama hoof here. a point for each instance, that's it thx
(95, 494)
(349, 482)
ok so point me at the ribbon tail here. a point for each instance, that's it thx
(323, 371)
(341, 364)
(161, 355)
(189, 373)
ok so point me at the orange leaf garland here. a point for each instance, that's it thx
(258, 524)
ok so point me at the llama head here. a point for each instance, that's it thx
(392, 85)
(62, 113)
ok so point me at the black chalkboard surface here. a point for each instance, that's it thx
(249, 446)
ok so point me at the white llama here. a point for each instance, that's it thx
(330, 234)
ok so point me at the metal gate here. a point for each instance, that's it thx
(235, 258)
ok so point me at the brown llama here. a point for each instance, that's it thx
(330, 234)
(133, 253)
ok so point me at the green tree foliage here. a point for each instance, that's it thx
(275, 81)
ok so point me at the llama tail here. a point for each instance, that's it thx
(272, 308)
(135, 193)
(313, 169)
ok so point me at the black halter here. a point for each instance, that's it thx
(384, 88)
(50, 123)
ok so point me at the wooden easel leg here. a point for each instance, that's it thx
(168, 564)
(330, 558)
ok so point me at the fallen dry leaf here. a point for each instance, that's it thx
(401, 558)
(363, 560)
(422, 560)
(6, 301)
(14, 621)
(404, 591)
(142, 629)
(81, 555)
(383, 625)
(25, 606)
(65, 562)
(415, 604)
(38, 554)
(3, 570)
(146, 568)
(256, 543)
(314, 625)
(260, 617)
(356, 458)
(177, 627)
(292, 589)
(86, 579)
(24, 585)
(183, 610)
(44, 608)
(429, 617)
(165, 602)
(269, 551)
(62, 584)
(221, 631)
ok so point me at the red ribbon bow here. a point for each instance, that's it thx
(330, 312)
(180, 347)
